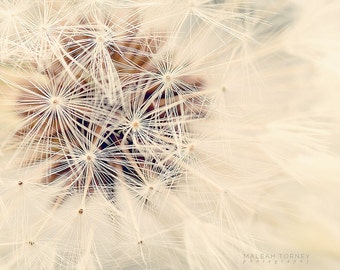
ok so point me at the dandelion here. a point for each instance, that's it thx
(157, 134)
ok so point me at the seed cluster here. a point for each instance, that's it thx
(112, 106)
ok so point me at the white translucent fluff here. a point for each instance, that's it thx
(171, 134)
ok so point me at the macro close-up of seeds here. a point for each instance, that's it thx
(176, 134)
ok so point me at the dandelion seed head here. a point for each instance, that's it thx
(141, 137)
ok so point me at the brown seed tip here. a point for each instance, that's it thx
(20, 183)
(135, 124)
(191, 147)
(80, 211)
